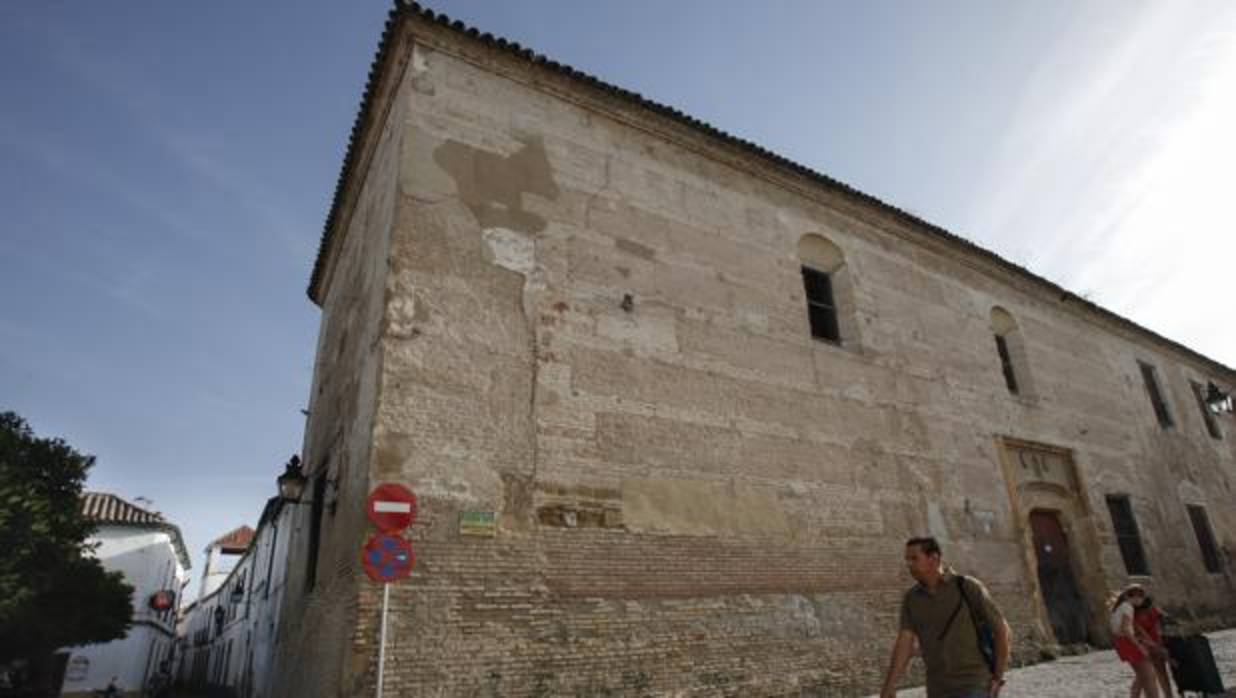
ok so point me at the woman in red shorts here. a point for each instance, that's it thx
(1128, 646)
(1148, 624)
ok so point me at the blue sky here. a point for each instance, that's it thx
(165, 169)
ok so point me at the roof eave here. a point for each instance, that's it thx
(405, 11)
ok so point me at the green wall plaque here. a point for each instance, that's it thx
(478, 523)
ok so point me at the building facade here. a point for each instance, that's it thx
(228, 634)
(151, 554)
(672, 404)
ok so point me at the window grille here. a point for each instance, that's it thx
(1127, 535)
(1006, 364)
(1212, 427)
(1205, 538)
(821, 308)
(1151, 379)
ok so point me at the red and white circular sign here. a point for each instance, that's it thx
(391, 507)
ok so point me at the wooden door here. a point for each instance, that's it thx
(1065, 607)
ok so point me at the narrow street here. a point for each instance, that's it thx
(1097, 674)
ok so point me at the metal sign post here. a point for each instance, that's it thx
(386, 598)
(387, 556)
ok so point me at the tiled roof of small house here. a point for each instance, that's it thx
(408, 11)
(104, 507)
(107, 509)
(236, 540)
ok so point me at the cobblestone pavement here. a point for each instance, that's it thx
(1098, 674)
(1095, 675)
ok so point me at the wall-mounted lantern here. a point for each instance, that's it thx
(292, 481)
(1217, 400)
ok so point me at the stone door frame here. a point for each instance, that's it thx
(1064, 494)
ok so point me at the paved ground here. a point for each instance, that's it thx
(1093, 675)
(1097, 674)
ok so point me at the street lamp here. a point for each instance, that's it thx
(1217, 400)
(292, 481)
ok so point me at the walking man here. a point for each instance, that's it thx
(963, 636)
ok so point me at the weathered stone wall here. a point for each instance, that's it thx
(594, 327)
(320, 637)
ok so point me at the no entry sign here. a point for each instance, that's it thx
(387, 557)
(391, 507)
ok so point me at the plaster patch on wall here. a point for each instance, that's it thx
(447, 489)
(403, 313)
(419, 63)
(935, 522)
(752, 319)
(1190, 493)
(688, 507)
(431, 184)
(644, 332)
(983, 521)
(493, 185)
(419, 75)
(516, 251)
(835, 615)
(510, 249)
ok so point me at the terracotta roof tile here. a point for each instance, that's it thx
(236, 540)
(103, 507)
(107, 509)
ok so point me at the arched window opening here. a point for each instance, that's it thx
(1011, 350)
(827, 288)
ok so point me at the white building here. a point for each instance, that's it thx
(228, 634)
(151, 554)
(222, 557)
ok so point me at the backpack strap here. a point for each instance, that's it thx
(957, 610)
(984, 631)
(974, 614)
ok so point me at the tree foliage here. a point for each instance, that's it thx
(53, 593)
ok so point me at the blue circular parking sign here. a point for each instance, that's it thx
(387, 557)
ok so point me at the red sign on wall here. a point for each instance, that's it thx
(162, 600)
(387, 557)
(391, 507)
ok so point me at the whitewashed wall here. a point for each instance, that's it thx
(238, 654)
(149, 563)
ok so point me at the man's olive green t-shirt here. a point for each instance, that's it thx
(954, 663)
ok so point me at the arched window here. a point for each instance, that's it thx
(826, 283)
(1011, 350)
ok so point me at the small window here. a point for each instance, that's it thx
(1011, 349)
(1151, 378)
(1212, 427)
(1127, 535)
(1006, 364)
(829, 286)
(1205, 538)
(821, 308)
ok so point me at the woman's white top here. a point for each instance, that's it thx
(1124, 610)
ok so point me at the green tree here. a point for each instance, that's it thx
(53, 593)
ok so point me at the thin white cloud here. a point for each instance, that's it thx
(1113, 181)
(189, 150)
(195, 156)
(41, 150)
